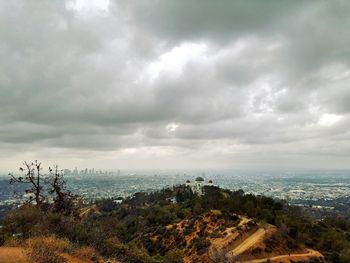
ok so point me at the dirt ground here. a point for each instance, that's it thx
(291, 257)
(17, 255)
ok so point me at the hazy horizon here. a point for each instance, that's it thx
(162, 84)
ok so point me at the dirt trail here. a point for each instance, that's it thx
(248, 243)
(17, 255)
(12, 255)
(310, 254)
(85, 211)
(216, 251)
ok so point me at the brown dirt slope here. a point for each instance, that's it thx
(12, 255)
(17, 255)
(248, 243)
(244, 241)
(290, 257)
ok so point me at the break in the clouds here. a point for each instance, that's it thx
(175, 84)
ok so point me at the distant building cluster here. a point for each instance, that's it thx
(87, 171)
(198, 185)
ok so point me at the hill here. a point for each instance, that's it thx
(176, 225)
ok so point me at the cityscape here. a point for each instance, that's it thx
(88, 171)
(172, 131)
(319, 189)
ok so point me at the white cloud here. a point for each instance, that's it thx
(173, 61)
(171, 127)
(329, 119)
(89, 8)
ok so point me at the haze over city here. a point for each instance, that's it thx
(157, 84)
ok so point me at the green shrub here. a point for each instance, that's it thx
(174, 256)
(215, 234)
(200, 244)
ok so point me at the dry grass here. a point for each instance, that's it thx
(86, 253)
(13, 242)
(47, 249)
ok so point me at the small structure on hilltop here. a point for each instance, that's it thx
(198, 185)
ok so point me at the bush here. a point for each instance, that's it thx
(113, 248)
(215, 234)
(200, 244)
(174, 256)
(47, 249)
(13, 242)
(87, 253)
(131, 253)
(24, 219)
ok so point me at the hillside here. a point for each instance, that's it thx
(175, 225)
(18, 255)
(212, 239)
(240, 240)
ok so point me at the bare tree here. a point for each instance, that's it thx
(45, 188)
(64, 199)
(31, 175)
(56, 183)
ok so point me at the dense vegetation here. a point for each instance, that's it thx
(125, 230)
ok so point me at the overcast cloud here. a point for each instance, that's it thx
(175, 84)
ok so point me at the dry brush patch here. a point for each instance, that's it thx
(47, 249)
(86, 253)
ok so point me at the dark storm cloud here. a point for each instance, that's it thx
(222, 20)
(183, 79)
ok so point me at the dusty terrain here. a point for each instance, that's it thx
(240, 240)
(247, 241)
(290, 257)
(17, 255)
(12, 255)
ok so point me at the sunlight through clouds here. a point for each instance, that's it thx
(88, 8)
(173, 61)
(329, 119)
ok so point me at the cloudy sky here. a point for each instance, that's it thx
(175, 84)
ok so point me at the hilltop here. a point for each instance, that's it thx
(177, 225)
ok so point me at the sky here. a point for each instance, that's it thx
(165, 84)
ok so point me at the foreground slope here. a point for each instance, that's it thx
(174, 225)
(18, 255)
(240, 240)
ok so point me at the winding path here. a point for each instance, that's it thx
(311, 253)
(248, 243)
